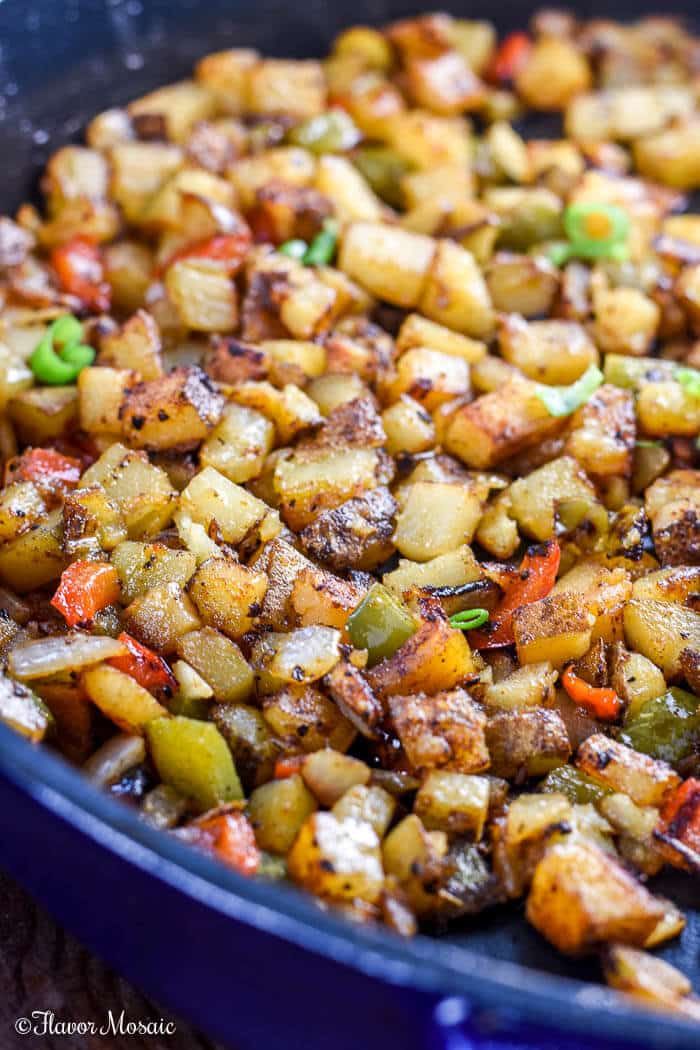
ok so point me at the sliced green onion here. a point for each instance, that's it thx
(323, 246)
(582, 243)
(563, 400)
(295, 249)
(689, 378)
(646, 443)
(469, 619)
(60, 357)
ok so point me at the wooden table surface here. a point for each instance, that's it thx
(43, 968)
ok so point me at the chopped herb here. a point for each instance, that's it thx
(469, 619)
(60, 356)
(595, 231)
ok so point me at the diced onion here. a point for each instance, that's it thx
(115, 758)
(65, 652)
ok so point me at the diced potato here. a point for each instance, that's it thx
(287, 164)
(204, 296)
(531, 740)
(303, 717)
(128, 269)
(661, 631)
(416, 858)
(329, 774)
(21, 506)
(225, 74)
(554, 73)
(428, 376)
(426, 141)
(91, 521)
(192, 757)
(141, 490)
(626, 321)
(228, 595)
(161, 616)
(290, 409)
(499, 425)
(677, 584)
(673, 506)
(220, 663)
(603, 433)
(636, 679)
(442, 731)
(497, 532)
(312, 480)
(141, 566)
(455, 293)
(522, 284)
(665, 408)
(454, 802)
(417, 331)
(581, 897)
(534, 499)
(212, 498)
(408, 427)
(435, 658)
(435, 519)
(172, 412)
(319, 597)
(337, 859)
(556, 352)
(646, 780)
(371, 804)
(42, 413)
(528, 686)
(247, 734)
(177, 107)
(134, 347)
(672, 156)
(390, 263)
(351, 195)
(121, 698)
(238, 444)
(34, 558)
(139, 169)
(557, 629)
(301, 656)
(277, 811)
(284, 86)
(603, 592)
(530, 824)
(454, 569)
(645, 977)
(100, 395)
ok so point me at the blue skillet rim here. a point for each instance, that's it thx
(432, 966)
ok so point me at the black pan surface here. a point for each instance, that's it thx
(62, 62)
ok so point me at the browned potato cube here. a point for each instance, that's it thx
(390, 263)
(329, 774)
(646, 780)
(673, 505)
(603, 433)
(228, 595)
(337, 859)
(554, 73)
(455, 293)
(661, 631)
(220, 663)
(303, 717)
(445, 731)
(580, 897)
(437, 657)
(277, 811)
(499, 425)
(557, 628)
(454, 802)
(161, 616)
(173, 412)
(135, 346)
(532, 741)
(355, 535)
(556, 352)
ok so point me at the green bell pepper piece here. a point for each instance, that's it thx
(380, 624)
(192, 757)
(383, 168)
(667, 727)
(331, 132)
(578, 788)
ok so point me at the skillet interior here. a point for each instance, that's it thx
(62, 63)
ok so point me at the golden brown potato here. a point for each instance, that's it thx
(228, 595)
(646, 780)
(175, 411)
(555, 71)
(673, 506)
(444, 731)
(337, 859)
(557, 629)
(434, 659)
(581, 897)
(556, 352)
(532, 741)
(603, 433)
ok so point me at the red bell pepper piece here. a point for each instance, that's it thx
(509, 58)
(53, 473)
(680, 816)
(601, 703)
(78, 264)
(288, 766)
(231, 839)
(85, 588)
(229, 249)
(148, 668)
(534, 580)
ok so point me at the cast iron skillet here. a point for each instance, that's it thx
(258, 964)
